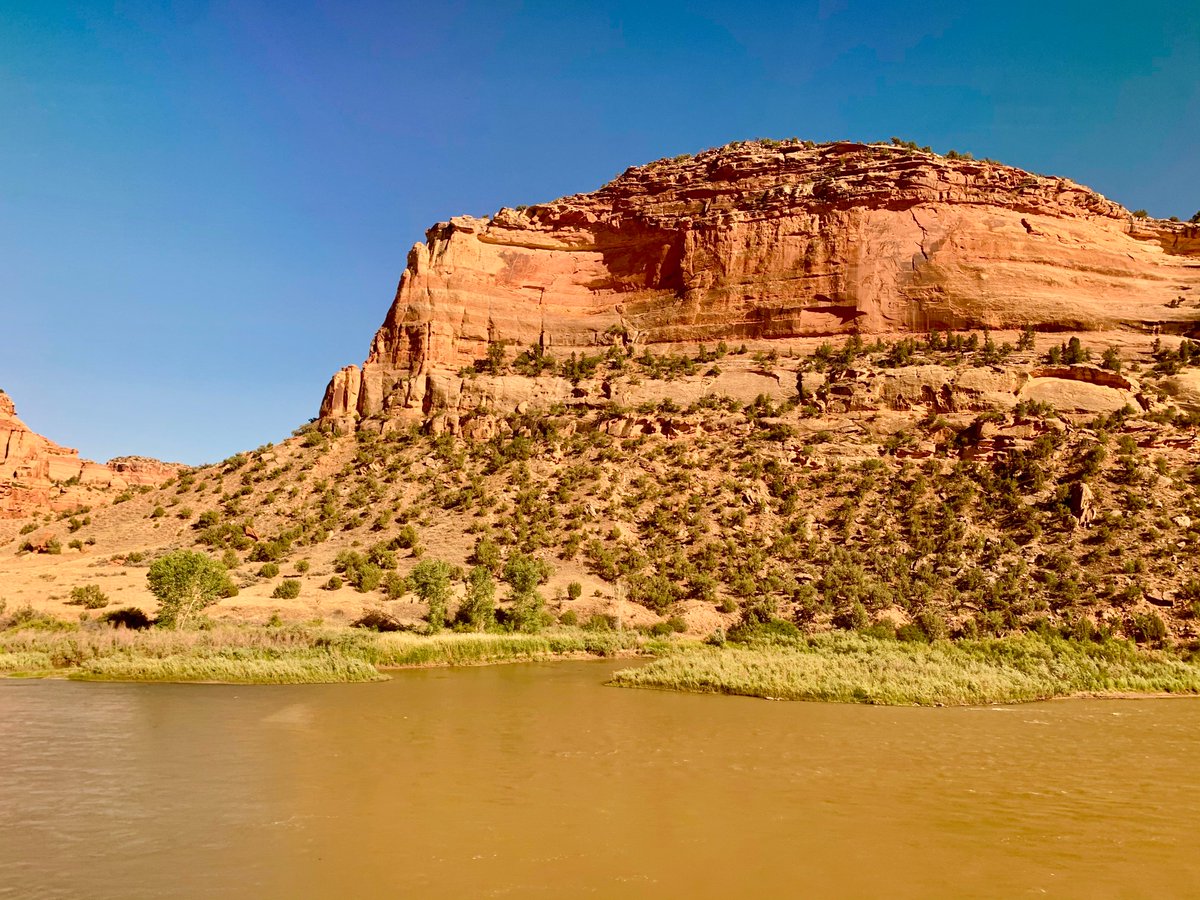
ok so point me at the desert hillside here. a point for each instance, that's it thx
(948, 484)
(842, 386)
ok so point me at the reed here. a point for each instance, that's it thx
(24, 661)
(295, 654)
(852, 668)
(315, 669)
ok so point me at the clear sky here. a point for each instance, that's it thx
(205, 207)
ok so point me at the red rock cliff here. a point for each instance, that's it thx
(37, 474)
(766, 240)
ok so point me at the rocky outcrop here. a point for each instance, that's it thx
(1184, 388)
(37, 474)
(1070, 390)
(771, 241)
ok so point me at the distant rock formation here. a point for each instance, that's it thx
(763, 241)
(37, 474)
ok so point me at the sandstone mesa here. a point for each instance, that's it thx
(38, 474)
(767, 241)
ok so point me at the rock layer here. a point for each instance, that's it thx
(770, 241)
(37, 474)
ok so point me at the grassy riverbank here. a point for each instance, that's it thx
(852, 668)
(838, 666)
(286, 655)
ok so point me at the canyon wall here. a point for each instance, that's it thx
(38, 475)
(769, 241)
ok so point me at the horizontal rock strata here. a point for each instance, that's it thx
(769, 241)
(37, 474)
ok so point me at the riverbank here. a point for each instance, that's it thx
(852, 668)
(293, 654)
(842, 667)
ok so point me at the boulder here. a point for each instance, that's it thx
(1083, 503)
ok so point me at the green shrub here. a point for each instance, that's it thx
(852, 617)
(395, 585)
(369, 578)
(487, 553)
(600, 622)
(363, 574)
(673, 625)
(89, 596)
(334, 583)
(406, 538)
(268, 570)
(288, 589)
(1147, 628)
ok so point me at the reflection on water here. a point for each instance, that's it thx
(535, 780)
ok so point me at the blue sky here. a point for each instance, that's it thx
(205, 207)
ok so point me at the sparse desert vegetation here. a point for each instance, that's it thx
(843, 504)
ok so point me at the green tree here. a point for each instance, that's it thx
(523, 574)
(1074, 352)
(430, 580)
(478, 611)
(487, 553)
(186, 582)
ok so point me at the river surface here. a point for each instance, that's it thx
(535, 780)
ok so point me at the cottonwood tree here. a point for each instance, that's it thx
(523, 574)
(430, 580)
(185, 583)
(478, 610)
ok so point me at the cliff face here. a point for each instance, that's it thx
(770, 241)
(37, 474)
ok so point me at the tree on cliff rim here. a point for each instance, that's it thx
(186, 582)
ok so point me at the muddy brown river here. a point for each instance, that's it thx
(537, 781)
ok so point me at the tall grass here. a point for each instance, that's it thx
(852, 668)
(316, 669)
(398, 649)
(24, 661)
(292, 654)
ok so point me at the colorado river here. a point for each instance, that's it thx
(537, 781)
